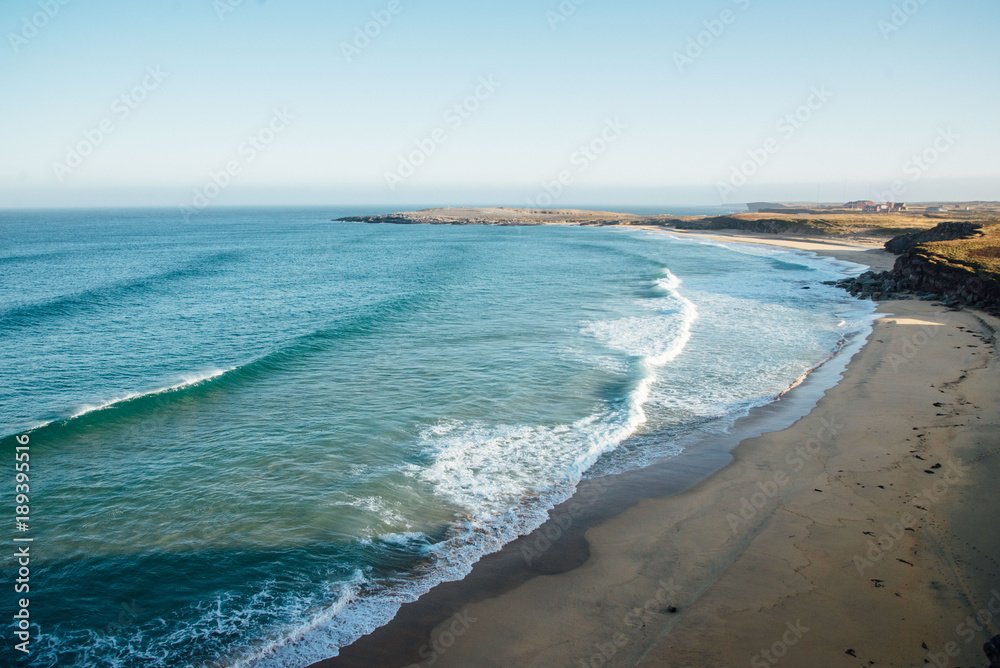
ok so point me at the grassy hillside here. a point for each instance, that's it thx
(980, 253)
(845, 222)
(841, 223)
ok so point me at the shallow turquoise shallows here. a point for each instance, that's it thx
(255, 435)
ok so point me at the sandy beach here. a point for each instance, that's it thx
(868, 252)
(862, 534)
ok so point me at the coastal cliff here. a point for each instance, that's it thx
(956, 263)
(757, 226)
(943, 232)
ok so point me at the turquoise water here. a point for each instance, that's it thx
(254, 436)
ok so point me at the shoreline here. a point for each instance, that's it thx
(560, 545)
(871, 253)
(505, 588)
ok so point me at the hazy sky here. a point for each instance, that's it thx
(223, 102)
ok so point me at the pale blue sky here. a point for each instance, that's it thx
(687, 128)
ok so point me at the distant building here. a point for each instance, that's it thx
(860, 205)
(888, 207)
(937, 209)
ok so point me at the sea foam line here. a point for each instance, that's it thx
(639, 396)
(651, 363)
(499, 517)
(186, 381)
(270, 647)
(689, 314)
(652, 360)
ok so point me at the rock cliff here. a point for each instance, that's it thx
(923, 270)
(760, 226)
(943, 232)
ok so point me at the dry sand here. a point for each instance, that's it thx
(863, 535)
(869, 252)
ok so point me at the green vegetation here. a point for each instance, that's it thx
(979, 254)
(843, 222)
(819, 219)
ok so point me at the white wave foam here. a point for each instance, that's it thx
(270, 649)
(486, 468)
(404, 538)
(507, 477)
(186, 381)
(658, 339)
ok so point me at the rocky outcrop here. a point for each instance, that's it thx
(391, 219)
(920, 273)
(943, 232)
(761, 226)
(992, 650)
(404, 219)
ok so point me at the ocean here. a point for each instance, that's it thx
(254, 435)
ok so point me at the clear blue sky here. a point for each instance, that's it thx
(893, 94)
